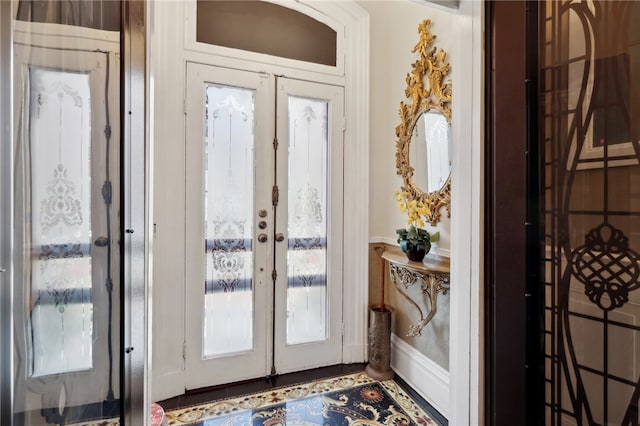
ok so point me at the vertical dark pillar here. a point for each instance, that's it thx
(506, 212)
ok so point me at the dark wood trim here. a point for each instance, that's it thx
(535, 289)
(506, 212)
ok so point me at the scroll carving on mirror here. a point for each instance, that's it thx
(423, 147)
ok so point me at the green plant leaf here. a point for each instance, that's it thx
(435, 237)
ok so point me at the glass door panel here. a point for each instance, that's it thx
(590, 110)
(228, 196)
(62, 316)
(307, 227)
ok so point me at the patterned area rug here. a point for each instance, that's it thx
(354, 399)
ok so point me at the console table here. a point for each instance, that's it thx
(433, 275)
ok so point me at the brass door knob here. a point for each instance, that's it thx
(262, 238)
(279, 237)
(101, 242)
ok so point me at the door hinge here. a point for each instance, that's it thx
(342, 329)
(275, 195)
(184, 351)
(274, 275)
(275, 144)
(106, 192)
(184, 106)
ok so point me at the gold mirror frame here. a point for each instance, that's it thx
(427, 91)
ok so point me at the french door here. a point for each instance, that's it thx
(264, 225)
(67, 205)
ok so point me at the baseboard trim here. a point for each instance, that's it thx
(425, 376)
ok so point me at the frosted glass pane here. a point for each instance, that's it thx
(228, 195)
(307, 226)
(59, 144)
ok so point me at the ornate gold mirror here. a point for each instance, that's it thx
(423, 148)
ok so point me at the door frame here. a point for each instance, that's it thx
(168, 53)
(269, 354)
(513, 357)
(137, 199)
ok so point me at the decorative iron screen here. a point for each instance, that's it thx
(590, 135)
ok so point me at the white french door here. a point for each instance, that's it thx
(67, 312)
(264, 190)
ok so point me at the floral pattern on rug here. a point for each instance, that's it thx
(355, 400)
(104, 422)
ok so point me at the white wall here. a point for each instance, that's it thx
(394, 26)
(394, 32)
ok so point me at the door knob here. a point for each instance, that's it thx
(262, 238)
(279, 237)
(262, 224)
(101, 241)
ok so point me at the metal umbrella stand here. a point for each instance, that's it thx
(379, 366)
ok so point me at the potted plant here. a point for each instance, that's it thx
(414, 240)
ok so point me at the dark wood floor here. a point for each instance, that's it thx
(200, 396)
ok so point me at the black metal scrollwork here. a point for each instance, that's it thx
(606, 266)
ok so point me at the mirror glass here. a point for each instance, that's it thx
(430, 151)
